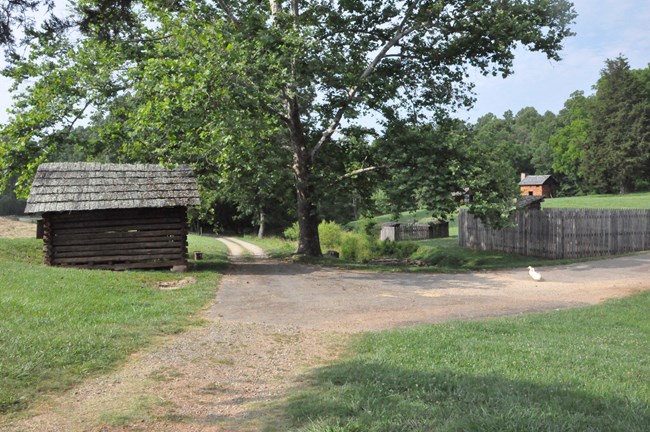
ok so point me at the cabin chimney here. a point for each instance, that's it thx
(523, 176)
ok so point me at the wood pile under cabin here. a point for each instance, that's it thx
(113, 216)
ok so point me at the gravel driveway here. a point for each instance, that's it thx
(276, 293)
(272, 322)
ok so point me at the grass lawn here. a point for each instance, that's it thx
(61, 325)
(628, 201)
(576, 370)
(444, 255)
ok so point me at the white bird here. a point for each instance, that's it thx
(536, 276)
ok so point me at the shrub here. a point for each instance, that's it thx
(356, 247)
(368, 226)
(291, 233)
(330, 235)
(399, 250)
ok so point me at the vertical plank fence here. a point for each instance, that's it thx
(561, 233)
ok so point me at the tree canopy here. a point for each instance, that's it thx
(209, 81)
(617, 153)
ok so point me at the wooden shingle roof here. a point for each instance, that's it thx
(524, 201)
(93, 186)
(536, 180)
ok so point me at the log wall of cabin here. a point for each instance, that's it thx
(116, 239)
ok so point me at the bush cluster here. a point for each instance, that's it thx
(360, 245)
(291, 233)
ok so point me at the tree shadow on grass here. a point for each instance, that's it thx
(357, 396)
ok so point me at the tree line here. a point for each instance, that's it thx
(263, 98)
(598, 143)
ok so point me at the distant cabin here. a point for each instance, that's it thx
(113, 216)
(538, 185)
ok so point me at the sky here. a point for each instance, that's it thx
(604, 29)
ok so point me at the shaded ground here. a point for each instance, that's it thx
(272, 322)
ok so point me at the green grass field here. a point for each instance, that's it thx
(61, 325)
(273, 246)
(629, 201)
(577, 370)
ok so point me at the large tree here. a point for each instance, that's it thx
(200, 71)
(439, 167)
(617, 153)
(569, 141)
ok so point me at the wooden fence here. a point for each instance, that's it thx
(561, 233)
(397, 231)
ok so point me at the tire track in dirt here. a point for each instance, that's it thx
(238, 248)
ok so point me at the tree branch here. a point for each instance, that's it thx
(228, 11)
(353, 90)
(359, 171)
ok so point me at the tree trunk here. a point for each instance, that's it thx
(260, 232)
(626, 186)
(308, 240)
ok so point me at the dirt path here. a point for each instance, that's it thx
(238, 248)
(272, 322)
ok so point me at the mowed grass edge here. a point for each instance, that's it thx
(572, 370)
(61, 325)
(639, 200)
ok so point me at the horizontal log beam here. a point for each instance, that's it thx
(122, 229)
(118, 237)
(135, 254)
(118, 258)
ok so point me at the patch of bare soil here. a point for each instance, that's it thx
(11, 228)
(174, 285)
(273, 322)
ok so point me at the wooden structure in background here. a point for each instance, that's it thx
(538, 185)
(396, 231)
(529, 202)
(113, 216)
(561, 233)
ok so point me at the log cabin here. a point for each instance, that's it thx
(113, 216)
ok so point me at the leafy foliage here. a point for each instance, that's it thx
(439, 168)
(569, 141)
(618, 150)
(225, 86)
